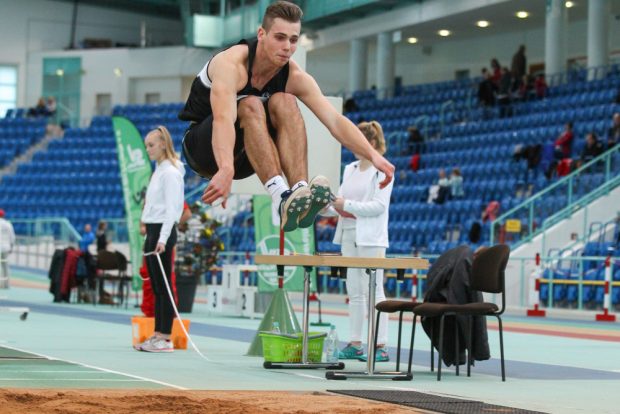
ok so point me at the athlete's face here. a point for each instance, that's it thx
(280, 42)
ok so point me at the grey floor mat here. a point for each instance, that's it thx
(432, 402)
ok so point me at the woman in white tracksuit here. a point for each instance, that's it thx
(362, 231)
(163, 206)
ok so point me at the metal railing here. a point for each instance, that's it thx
(580, 273)
(537, 213)
(442, 114)
(59, 228)
(423, 120)
(581, 73)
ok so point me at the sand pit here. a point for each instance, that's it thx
(47, 401)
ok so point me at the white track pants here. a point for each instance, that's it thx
(357, 288)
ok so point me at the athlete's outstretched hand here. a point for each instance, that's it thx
(218, 188)
(385, 167)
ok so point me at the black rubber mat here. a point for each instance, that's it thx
(432, 402)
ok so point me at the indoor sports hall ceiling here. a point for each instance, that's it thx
(501, 17)
(499, 14)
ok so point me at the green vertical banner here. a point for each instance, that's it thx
(135, 169)
(267, 239)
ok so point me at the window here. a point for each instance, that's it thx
(8, 88)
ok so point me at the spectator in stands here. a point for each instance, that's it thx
(591, 150)
(102, 239)
(88, 237)
(362, 231)
(613, 135)
(443, 192)
(496, 71)
(563, 143)
(525, 91)
(414, 140)
(486, 93)
(7, 243)
(50, 106)
(163, 208)
(491, 211)
(456, 184)
(518, 67)
(39, 110)
(540, 86)
(503, 93)
(350, 105)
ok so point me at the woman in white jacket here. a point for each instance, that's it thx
(162, 208)
(362, 231)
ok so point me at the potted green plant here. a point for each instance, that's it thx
(198, 248)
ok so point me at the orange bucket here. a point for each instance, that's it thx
(143, 327)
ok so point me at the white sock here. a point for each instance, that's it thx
(275, 186)
(299, 184)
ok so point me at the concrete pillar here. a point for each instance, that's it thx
(385, 65)
(358, 62)
(598, 32)
(555, 40)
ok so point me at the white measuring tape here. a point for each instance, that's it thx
(174, 306)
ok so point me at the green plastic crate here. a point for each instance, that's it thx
(287, 347)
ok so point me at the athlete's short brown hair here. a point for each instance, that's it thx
(285, 10)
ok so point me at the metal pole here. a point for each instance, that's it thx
(304, 346)
(372, 284)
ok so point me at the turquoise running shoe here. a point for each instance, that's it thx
(380, 356)
(351, 352)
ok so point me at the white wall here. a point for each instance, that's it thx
(169, 88)
(330, 65)
(28, 26)
(146, 69)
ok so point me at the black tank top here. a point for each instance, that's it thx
(198, 105)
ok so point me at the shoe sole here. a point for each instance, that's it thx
(354, 358)
(296, 205)
(321, 197)
(376, 360)
(157, 351)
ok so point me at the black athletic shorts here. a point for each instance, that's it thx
(198, 150)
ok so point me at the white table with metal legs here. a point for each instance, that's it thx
(371, 265)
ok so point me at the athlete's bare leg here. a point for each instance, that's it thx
(259, 145)
(291, 140)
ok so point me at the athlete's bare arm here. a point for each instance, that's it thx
(228, 75)
(302, 85)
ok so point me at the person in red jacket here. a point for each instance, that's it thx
(563, 144)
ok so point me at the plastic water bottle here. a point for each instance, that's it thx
(275, 328)
(331, 346)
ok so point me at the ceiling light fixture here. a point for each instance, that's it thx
(522, 14)
(569, 4)
(444, 33)
(482, 23)
(412, 40)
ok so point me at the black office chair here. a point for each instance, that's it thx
(487, 275)
(108, 261)
(393, 306)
